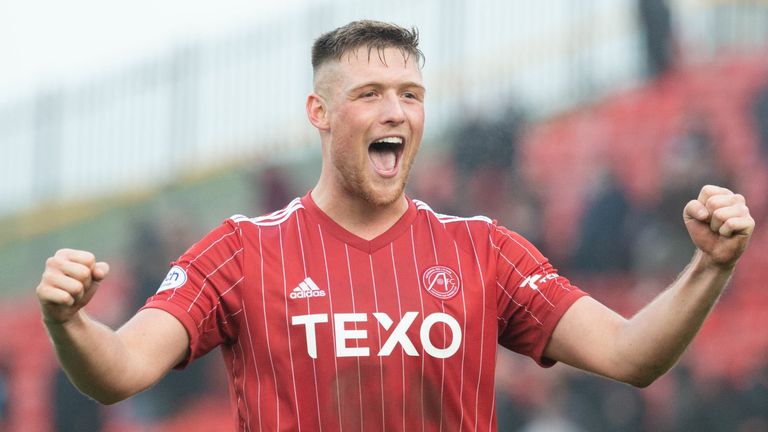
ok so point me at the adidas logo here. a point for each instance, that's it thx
(306, 289)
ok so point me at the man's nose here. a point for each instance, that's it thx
(392, 111)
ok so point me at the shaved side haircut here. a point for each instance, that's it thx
(374, 35)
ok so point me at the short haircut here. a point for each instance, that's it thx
(374, 35)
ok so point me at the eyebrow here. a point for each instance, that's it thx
(409, 84)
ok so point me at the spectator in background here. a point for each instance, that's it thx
(755, 401)
(485, 142)
(436, 180)
(485, 154)
(600, 405)
(486, 176)
(551, 415)
(760, 117)
(3, 392)
(689, 163)
(656, 23)
(67, 400)
(605, 239)
(273, 187)
(716, 406)
(155, 238)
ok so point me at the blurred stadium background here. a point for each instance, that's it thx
(584, 125)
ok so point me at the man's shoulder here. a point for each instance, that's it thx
(468, 233)
(475, 231)
(272, 219)
(446, 219)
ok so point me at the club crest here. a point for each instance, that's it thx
(441, 281)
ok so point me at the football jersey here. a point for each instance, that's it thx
(323, 330)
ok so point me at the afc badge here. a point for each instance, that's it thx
(441, 281)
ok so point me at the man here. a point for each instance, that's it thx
(357, 308)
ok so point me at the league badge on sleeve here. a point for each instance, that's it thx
(177, 276)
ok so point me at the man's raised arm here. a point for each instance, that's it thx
(638, 350)
(107, 365)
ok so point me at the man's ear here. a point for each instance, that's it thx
(317, 111)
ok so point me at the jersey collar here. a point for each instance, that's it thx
(368, 246)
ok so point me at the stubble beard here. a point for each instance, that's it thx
(356, 184)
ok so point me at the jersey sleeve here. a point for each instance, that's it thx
(202, 290)
(531, 296)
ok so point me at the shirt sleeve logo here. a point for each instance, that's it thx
(176, 277)
(533, 282)
(441, 281)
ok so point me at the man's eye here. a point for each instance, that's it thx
(368, 94)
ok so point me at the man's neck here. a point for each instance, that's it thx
(358, 216)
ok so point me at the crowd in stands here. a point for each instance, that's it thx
(599, 190)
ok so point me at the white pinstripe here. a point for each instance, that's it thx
(226, 317)
(432, 236)
(421, 302)
(357, 344)
(288, 329)
(266, 332)
(314, 367)
(280, 217)
(245, 400)
(400, 313)
(201, 254)
(533, 257)
(447, 219)
(482, 322)
(237, 403)
(463, 341)
(223, 321)
(205, 280)
(333, 334)
(442, 304)
(529, 254)
(218, 301)
(518, 304)
(378, 331)
(522, 276)
(493, 410)
(223, 236)
(255, 364)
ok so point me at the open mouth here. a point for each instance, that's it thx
(385, 154)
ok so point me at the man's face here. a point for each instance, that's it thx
(375, 120)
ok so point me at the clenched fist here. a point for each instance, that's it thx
(69, 281)
(719, 224)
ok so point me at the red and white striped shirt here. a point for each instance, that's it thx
(322, 330)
